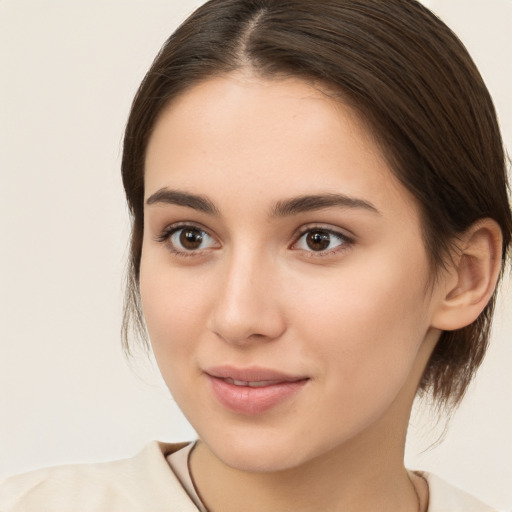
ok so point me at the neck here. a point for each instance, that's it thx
(366, 473)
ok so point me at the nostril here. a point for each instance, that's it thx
(241, 337)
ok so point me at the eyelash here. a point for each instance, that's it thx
(167, 233)
(345, 244)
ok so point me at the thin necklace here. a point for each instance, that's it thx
(418, 499)
(413, 486)
(416, 490)
(417, 494)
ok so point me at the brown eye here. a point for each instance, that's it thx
(191, 239)
(318, 240)
(322, 241)
(188, 239)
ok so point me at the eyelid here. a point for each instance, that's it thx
(348, 239)
(165, 234)
(337, 230)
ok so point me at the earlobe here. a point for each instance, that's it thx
(470, 282)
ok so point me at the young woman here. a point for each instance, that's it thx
(320, 220)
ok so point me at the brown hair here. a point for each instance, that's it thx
(409, 78)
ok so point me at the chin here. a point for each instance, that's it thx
(262, 451)
(257, 461)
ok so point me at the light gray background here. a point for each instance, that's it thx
(68, 72)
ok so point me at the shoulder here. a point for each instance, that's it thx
(144, 482)
(444, 497)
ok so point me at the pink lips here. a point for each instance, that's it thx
(252, 390)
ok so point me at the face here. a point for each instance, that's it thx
(283, 275)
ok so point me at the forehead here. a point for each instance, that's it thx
(240, 132)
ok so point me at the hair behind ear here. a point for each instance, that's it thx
(464, 313)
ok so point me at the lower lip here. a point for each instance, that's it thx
(252, 401)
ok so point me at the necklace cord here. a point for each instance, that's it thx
(421, 508)
(418, 498)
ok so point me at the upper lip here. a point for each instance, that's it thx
(251, 374)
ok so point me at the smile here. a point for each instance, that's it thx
(253, 384)
(252, 391)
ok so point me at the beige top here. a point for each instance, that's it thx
(179, 462)
(146, 483)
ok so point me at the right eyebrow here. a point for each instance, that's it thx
(308, 203)
(177, 197)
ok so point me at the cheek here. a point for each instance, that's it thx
(371, 298)
(366, 326)
(171, 305)
(171, 318)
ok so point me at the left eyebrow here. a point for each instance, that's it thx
(309, 203)
(179, 198)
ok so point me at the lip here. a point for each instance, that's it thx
(254, 390)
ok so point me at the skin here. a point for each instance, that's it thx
(357, 319)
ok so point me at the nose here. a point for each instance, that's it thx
(247, 307)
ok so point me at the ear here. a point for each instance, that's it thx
(469, 283)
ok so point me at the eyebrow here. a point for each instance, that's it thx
(196, 202)
(309, 203)
(283, 208)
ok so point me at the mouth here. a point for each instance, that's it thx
(252, 384)
(252, 391)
